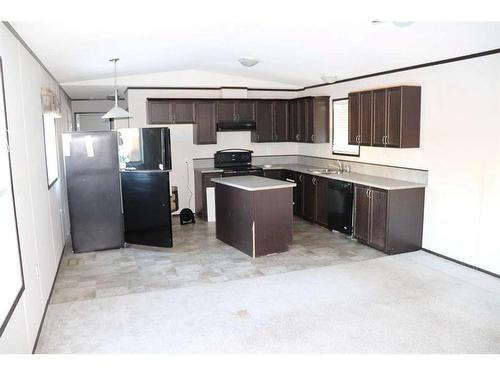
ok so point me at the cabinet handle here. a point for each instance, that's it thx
(300, 178)
(366, 192)
(314, 180)
(312, 137)
(358, 138)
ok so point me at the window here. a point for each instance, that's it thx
(340, 139)
(49, 130)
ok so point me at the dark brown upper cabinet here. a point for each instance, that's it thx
(159, 112)
(388, 117)
(183, 111)
(354, 121)
(271, 121)
(226, 110)
(235, 110)
(205, 128)
(317, 124)
(365, 118)
(309, 120)
(300, 122)
(360, 118)
(389, 220)
(277, 120)
(167, 111)
(280, 124)
(379, 117)
(264, 113)
(245, 110)
(292, 121)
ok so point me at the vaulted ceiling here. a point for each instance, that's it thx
(294, 50)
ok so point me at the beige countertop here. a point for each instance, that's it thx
(357, 178)
(253, 183)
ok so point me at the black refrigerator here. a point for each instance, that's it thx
(93, 186)
(145, 161)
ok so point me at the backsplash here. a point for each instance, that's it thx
(398, 173)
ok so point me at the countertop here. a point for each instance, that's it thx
(253, 183)
(357, 178)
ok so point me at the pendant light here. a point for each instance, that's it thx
(116, 112)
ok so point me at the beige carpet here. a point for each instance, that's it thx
(412, 303)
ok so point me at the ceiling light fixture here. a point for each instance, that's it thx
(116, 112)
(329, 79)
(248, 61)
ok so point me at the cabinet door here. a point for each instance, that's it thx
(298, 207)
(309, 197)
(366, 117)
(322, 201)
(321, 120)
(280, 121)
(379, 117)
(361, 213)
(245, 110)
(394, 117)
(378, 218)
(225, 110)
(183, 111)
(309, 120)
(354, 120)
(292, 122)
(205, 130)
(264, 121)
(301, 120)
(159, 112)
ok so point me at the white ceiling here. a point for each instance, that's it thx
(294, 50)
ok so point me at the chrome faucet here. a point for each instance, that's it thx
(340, 166)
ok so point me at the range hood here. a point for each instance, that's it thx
(232, 126)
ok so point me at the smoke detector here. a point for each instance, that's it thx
(329, 79)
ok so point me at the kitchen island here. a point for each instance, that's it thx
(254, 214)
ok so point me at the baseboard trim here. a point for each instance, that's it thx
(462, 263)
(47, 303)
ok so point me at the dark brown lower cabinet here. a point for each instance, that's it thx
(309, 198)
(298, 207)
(389, 220)
(276, 174)
(322, 201)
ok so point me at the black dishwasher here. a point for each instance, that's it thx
(340, 198)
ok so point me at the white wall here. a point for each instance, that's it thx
(41, 214)
(460, 146)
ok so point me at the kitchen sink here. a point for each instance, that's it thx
(325, 171)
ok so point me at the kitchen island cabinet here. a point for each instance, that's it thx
(254, 214)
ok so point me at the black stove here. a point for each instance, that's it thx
(236, 162)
